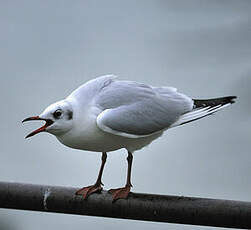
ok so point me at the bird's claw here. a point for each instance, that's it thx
(120, 193)
(86, 191)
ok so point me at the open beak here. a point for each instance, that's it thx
(48, 122)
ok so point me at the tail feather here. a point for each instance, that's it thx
(203, 108)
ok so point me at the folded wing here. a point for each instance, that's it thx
(136, 110)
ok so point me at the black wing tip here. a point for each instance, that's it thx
(214, 101)
(232, 99)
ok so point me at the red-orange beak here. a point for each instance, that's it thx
(48, 122)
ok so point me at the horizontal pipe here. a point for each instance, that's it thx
(147, 207)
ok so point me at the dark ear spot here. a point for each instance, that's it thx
(70, 115)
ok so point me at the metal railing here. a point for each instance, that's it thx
(146, 207)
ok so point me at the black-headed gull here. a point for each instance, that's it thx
(106, 114)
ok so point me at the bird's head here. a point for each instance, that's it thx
(58, 119)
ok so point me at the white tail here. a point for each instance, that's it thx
(203, 108)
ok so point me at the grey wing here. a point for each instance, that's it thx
(135, 110)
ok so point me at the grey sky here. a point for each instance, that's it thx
(48, 48)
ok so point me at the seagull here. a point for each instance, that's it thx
(106, 114)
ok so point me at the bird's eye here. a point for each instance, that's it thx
(57, 114)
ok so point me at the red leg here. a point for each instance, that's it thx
(122, 193)
(97, 187)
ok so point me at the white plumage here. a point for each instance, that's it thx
(106, 114)
(110, 114)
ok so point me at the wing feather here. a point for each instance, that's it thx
(135, 110)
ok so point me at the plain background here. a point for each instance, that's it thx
(48, 48)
